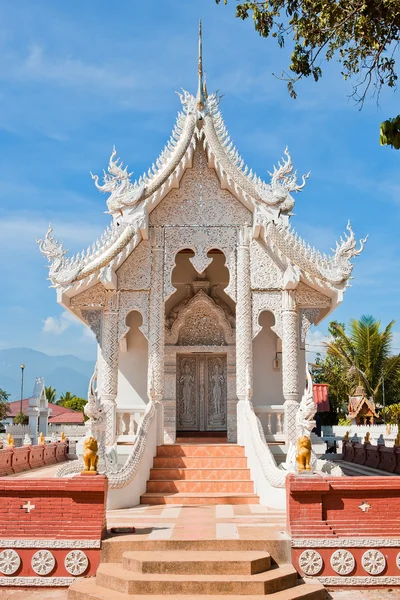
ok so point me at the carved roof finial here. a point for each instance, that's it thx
(201, 89)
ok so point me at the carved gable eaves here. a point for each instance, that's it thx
(307, 297)
(265, 273)
(94, 297)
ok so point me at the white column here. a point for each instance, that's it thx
(244, 341)
(109, 364)
(290, 367)
(157, 323)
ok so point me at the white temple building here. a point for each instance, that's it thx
(200, 292)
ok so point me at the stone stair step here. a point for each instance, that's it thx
(114, 577)
(210, 498)
(199, 487)
(213, 450)
(207, 474)
(87, 589)
(181, 562)
(114, 548)
(200, 462)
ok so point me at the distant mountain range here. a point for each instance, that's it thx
(64, 373)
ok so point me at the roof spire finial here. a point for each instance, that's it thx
(201, 93)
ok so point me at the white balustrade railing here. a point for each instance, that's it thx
(272, 420)
(129, 420)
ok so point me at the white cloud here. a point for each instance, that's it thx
(315, 344)
(57, 325)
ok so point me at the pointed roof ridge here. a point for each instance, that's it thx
(201, 96)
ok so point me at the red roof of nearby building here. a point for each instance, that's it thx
(320, 391)
(69, 415)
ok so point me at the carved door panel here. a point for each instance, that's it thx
(201, 392)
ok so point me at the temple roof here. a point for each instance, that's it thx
(129, 202)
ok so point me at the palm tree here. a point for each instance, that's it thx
(67, 397)
(365, 354)
(50, 393)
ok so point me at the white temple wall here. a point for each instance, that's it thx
(132, 373)
(267, 382)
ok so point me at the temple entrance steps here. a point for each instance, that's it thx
(197, 570)
(200, 473)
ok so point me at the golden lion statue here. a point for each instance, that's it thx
(367, 438)
(397, 441)
(303, 453)
(41, 439)
(90, 457)
(10, 440)
(346, 436)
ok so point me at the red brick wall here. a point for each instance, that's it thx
(15, 460)
(71, 510)
(326, 514)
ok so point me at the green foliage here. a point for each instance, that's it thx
(65, 398)
(390, 133)
(50, 393)
(391, 414)
(362, 35)
(21, 419)
(365, 356)
(4, 406)
(75, 403)
(358, 357)
(343, 421)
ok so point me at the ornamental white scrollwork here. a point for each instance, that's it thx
(342, 561)
(310, 562)
(43, 562)
(9, 562)
(76, 562)
(373, 561)
(398, 560)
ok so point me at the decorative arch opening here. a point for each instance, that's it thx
(188, 282)
(133, 364)
(267, 354)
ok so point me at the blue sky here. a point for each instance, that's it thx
(77, 77)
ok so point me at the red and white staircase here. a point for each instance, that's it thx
(200, 473)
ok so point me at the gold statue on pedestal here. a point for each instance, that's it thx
(41, 440)
(397, 441)
(63, 438)
(90, 456)
(346, 436)
(367, 438)
(10, 440)
(303, 454)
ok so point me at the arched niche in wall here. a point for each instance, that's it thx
(267, 353)
(133, 363)
(187, 282)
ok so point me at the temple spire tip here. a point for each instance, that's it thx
(201, 88)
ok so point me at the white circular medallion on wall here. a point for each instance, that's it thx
(310, 562)
(373, 562)
(43, 562)
(76, 562)
(398, 560)
(342, 561)
(9, 562)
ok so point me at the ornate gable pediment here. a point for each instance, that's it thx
(200, 200)
(201, 322)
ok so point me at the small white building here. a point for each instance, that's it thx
(200, 290)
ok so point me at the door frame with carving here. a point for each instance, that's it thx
(201, 391)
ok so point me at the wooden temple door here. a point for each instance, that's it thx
(201, 392)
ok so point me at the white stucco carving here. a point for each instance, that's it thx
(76, 562)
(244, 344)
(200, 200)
(310, 562)
(306, 296)
(9, 562)
(128, 302)
(94, 296)
(271, 302)
(201, 322)
(201, 240)
(308, 317)
(265, 273)
(43, 562)
(343, 562)
(135, 272)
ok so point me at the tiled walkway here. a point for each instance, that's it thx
(201, 522)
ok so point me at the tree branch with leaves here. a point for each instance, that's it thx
(362, 35)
